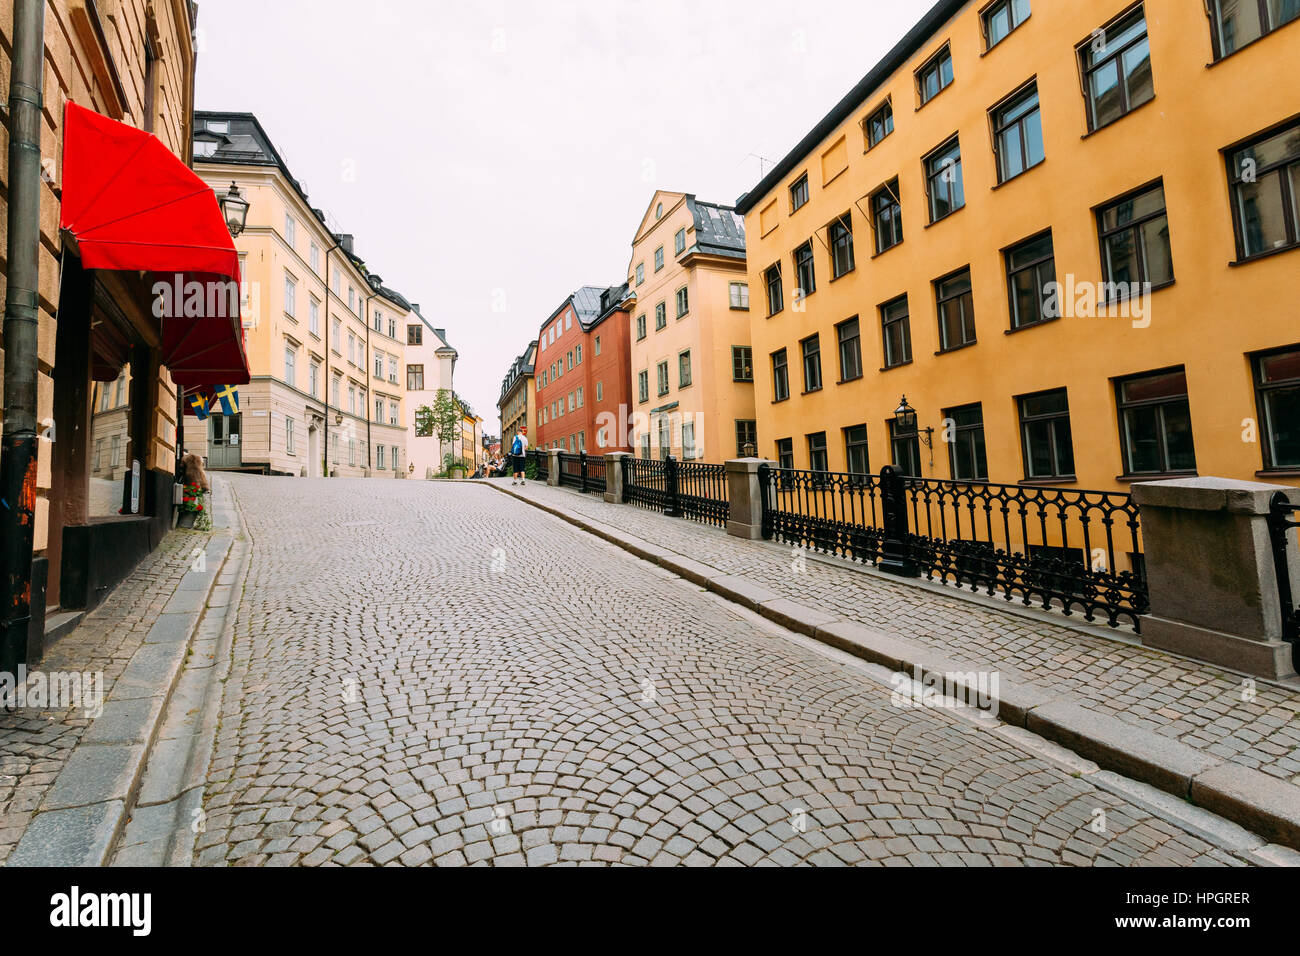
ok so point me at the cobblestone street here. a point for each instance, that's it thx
(428, 672)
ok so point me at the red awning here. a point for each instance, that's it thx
(132, 205)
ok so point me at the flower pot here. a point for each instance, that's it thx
(185, 519)
(457, 473)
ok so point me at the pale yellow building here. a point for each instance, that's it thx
(691, 362)
(326, 339)
(518, 402)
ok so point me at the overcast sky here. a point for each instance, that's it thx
(491, 157)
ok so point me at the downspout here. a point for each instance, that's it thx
(18, 451)
(328, 381)
(370, 392)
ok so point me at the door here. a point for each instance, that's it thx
(313, 451)
(224, 447)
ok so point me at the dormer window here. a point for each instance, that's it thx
(217, 126)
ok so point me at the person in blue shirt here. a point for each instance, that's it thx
(518, 451)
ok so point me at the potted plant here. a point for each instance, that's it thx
(194, 513)
(454, 467)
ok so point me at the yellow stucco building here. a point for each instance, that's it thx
(326, 339)
(518, 402)
(691, 367)
(1067, 233)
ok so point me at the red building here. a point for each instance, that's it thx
(583, 373)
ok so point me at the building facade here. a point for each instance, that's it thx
(430, 367)
(1066, 233)
(518, 403)
(691, 364)
(326, 339)
(582, 395)
(98, 338)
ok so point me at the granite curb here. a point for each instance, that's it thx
(1261, 803)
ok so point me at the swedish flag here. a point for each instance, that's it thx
(228, 396)
(200, 405)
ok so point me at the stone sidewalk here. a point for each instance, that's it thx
(1224, 741)
(68, 779)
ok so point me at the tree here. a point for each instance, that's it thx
(443, 418)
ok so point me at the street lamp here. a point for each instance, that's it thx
(905, 423)
(234, 208)
(338, 418)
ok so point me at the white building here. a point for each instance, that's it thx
(430, 366)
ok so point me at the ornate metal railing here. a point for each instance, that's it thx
(1283, 520)
(582, 471)
(702, 492)
(541, 458)
(1061, 548)
(645, 483)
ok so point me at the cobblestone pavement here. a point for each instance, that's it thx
(429, 672)
(1194, 703)
(34, 743)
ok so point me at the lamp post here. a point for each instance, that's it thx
(905, 427)
(234, 209)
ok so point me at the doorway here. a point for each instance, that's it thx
(313, 452)
(225, 449)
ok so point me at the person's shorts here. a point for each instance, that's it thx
(517, 463)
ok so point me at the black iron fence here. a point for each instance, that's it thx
(1283, 520)
(542, 460)
(1063, 548)
(584, 472)
(689, 489)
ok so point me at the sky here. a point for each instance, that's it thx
(492, 157)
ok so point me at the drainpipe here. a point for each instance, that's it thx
(327, 382)
(18, 452)
(370, 392)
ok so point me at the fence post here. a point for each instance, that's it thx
(553, 467)
(582, 470)
(746, 497)
(895, 556)
(671, 508)
(1210, 573)
(614, 476)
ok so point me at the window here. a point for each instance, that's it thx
(817, 452)
(688, 441)
(352, 399)
(352, 299)
(956, 311)
(683, 369)
(352, 348)
(804, 271)
(1018, 134)
(812, 363)
(906, 450)
(392, 416)
(569, 358)
(379, 409)
(780, 376)
(679, 242)
(640, 273)
(579, 396)
(115, 451)
(600, 391)
(1155, 424)
(935, 76)
(379, 456)
(1277, 396)
(314, 384)
(1264, 177)
(662, 372)
(1045, 435)
(840, 233)
(799, 193)
(785, 453)
(740, 295)
(1235, 23)
(597, 345)
(288, 435)
(683, 302)
(392, 327)
(879, 124)
(966, 449)
(1116, 63)
(290, 297)
(1134, 233)
(290, 363)
(394, 458)
(659, 258)
(571, 404)
(1031, 268)
(1000, 18)
(313, 315)
(314, 257)
(577, 354)
(335, 389)
(568, 321)
(887, 216)
(379, 364)
(336, 332)
(290, 230)
(665, 437)
(943, 180)
(855, 450)
(896, 332)
(415, 335)
(640, 327)
(742, 363)
(850, 341)
(661, 316)
(645, 445)
(775, 296)
(746, 438)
